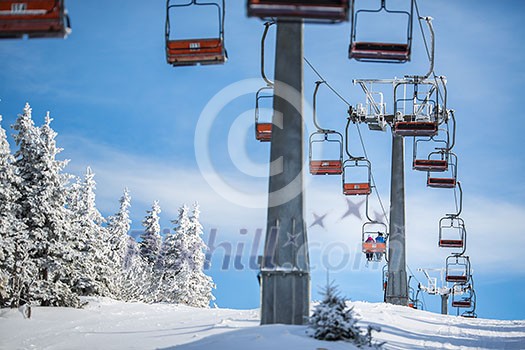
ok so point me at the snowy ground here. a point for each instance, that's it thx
(108, 324)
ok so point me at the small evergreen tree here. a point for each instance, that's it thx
(92, 263)
(183, 261)
(151, 240)
(332, 320)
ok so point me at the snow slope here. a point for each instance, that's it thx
(108, 324)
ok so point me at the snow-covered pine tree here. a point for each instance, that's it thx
(92, 267)
(199, 285)
(43, 211)
(118, 228)
(173, 253)
(183, 259)
(333, 320)
(151, 240)
(13, 233)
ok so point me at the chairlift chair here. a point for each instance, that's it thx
(373, 229)
(462, 296)
(452, 233)
(449, 177)
(313, 10)
(378, 51)
(352, 187)
(263, 130)
(193, 51)
(332, 166)
(457, 269)
(34, 18)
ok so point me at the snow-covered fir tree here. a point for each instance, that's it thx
(13, 234)
(151, 240)
(93, 266)
(42, 203)
(183, 258)
(333, 320)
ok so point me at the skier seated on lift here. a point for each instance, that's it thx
(379, 239)
(369, 255)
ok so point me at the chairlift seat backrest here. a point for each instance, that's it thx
(34, 18)
(263, 132)
(451, 243)
(415, 128)
(380, 51)
(438, 182)
(430, 165)
(326, 167)
(350, 189)
(195, 51)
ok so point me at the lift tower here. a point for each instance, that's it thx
(285, 278)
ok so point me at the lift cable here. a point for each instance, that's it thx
(358, 129)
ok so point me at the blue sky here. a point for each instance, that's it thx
(119, 108)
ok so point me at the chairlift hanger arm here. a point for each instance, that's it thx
(267, 26)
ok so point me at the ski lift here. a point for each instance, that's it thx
(436, 160)
(324, 137)
(417, 113)
(316, 10)
(263, 130)
(193, 51)
(362, 186)
(449, 179)
(463, 296)
(326, 166)
(452, 233)
(371, 231)
(377, 51)
(34, 18)
(457, 269)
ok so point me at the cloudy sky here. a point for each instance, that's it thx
(139, 123)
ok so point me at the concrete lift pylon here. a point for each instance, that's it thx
(285, 266)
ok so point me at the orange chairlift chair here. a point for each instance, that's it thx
(34, 18)
(312, 10)
(380, 51)
(446, 179)
(332, 165)
(193, 51)
(374, 229)
(263, 130)
(457, 269)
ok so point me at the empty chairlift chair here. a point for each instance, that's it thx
(452, 233)
(315, 10)
(356, 177)
(263, 130)
(326, 165)
(444, 179)
(463, 296)
(193, 51)
(34, 18)
(381, 51)
(457, 269)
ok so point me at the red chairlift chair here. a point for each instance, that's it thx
(193, 51)
(34, 18)
(378, 51)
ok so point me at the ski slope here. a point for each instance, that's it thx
(109, 324)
